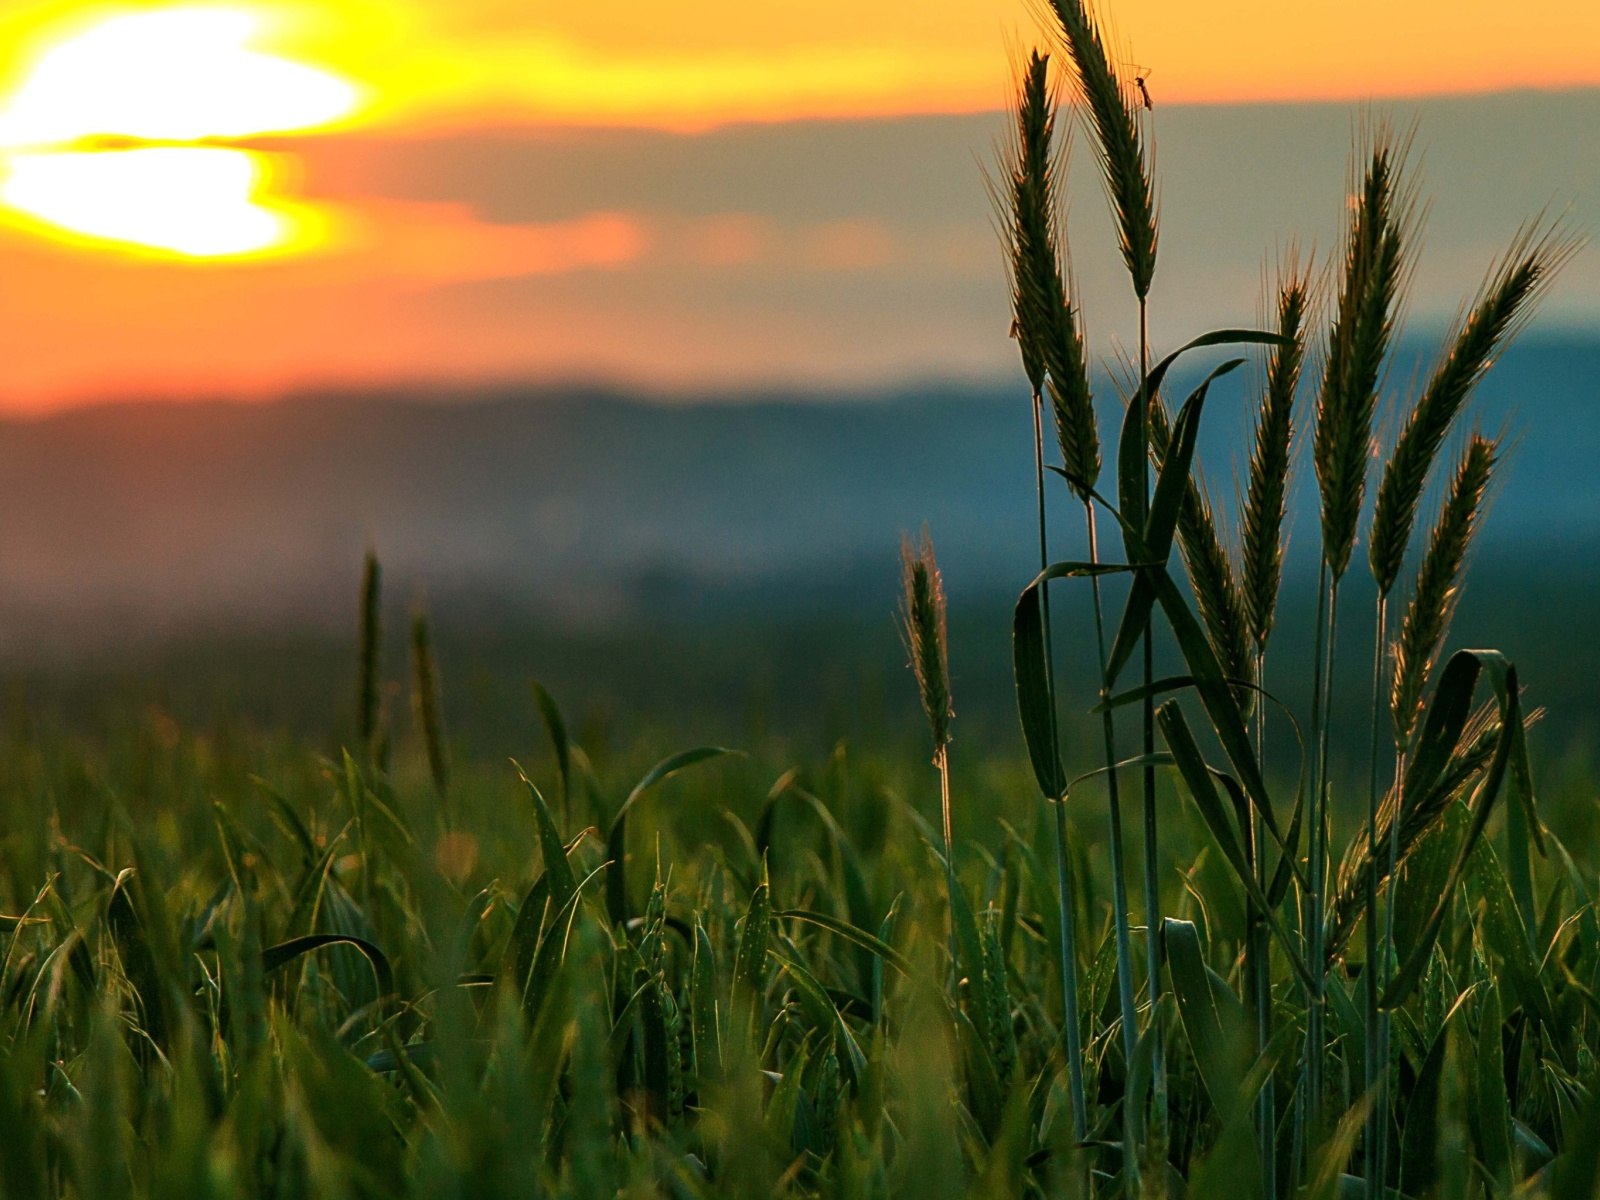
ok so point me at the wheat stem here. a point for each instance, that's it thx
(1152, 891)
(1308, 1111)
(371, 656)
(1119, 882)
(1071, 1026)
(941, 760)
(1376, 1074)
(1260, 966)
(1053, 358)
(425, 695)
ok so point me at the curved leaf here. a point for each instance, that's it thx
(850, 933)
(1482, 806)
(617, 832)
(281, 955)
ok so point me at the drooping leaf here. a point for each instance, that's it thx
(850, 933)
(617, 833)
(281, 955)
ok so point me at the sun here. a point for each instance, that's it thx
(112, 137)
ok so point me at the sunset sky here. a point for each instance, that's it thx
(246, 198)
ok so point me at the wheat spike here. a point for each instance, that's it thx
(1438, 584)
(1504, 304)
(1045, 319)
(1266, 494)
(1125, 159)
(1374, 266)
(922, 617)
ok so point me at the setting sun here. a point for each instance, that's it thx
(196, 202)
(177, 75)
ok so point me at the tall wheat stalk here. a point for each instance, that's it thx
(923, 626)
(430, 716)
(1261, 574)
(1501, 309)
(1374, 266)
(370, 663)
(1127, 168)
(1044, 322)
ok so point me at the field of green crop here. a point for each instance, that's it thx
(1216, 925)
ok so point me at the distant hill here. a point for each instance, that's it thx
(584, 505)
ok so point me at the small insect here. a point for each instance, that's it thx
(1140, 74)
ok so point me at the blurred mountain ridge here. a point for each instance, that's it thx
(587, 505)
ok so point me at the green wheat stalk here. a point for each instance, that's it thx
(1127, 167)
(923, 626)
(370, 668)
(1372, 276)
(1046, 328)
(1261, 520)
(1502, 308)
(425, 699)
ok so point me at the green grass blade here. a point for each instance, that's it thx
(1219, 1032)
(858, 937)
(556, 729)
(563, 881)
(281, 955)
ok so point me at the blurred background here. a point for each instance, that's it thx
(633, 337)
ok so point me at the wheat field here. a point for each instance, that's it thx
(1141, 950)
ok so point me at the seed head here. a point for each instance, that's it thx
(922, 617)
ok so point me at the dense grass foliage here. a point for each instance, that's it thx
(168, 1031)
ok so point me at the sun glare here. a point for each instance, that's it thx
(201, 203)
(175, 75)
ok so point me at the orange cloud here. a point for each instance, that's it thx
(76, 324)
(439, 242)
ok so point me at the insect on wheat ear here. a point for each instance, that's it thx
(1140, 74)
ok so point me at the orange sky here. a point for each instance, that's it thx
(720, 59)
(79, 320)
(698, 61)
